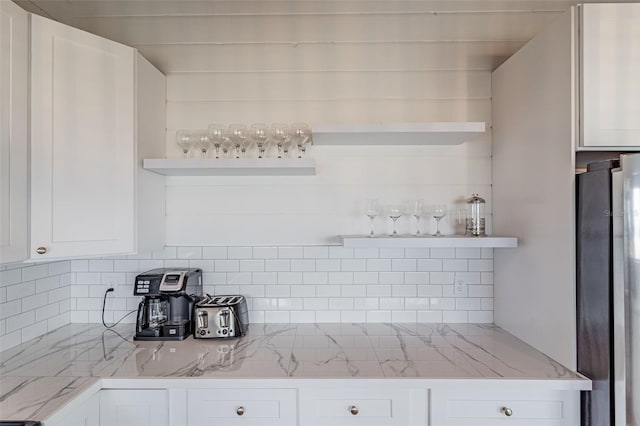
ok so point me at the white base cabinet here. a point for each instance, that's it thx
(140, 407)
(328, 402)
(378, 406)
(518, 408)
(267, 407)
(86, 414)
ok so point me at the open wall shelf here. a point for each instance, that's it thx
(412, 241)
(232, 166)
(441, 133)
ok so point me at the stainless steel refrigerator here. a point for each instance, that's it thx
(608, 290)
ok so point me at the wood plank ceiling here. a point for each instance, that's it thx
(238, 35)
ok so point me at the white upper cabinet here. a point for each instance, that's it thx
(84, 143)
(609, 84)
(14, 71)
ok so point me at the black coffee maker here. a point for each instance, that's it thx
(166, 310)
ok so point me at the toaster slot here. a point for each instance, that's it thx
(223, 318)
(203, 319)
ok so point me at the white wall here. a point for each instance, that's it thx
(341, 81)
(537, 138)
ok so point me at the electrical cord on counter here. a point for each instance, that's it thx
(104, 302)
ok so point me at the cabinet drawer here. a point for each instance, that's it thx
(361, 407)
(510, 408)
(242, 407)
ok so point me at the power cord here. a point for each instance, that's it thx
(104, 302)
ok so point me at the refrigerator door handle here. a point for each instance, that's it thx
(618, 299)
(630, 165)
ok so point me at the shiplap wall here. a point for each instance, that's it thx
(318, 62)
(320, 68)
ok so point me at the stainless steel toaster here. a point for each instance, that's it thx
(221, 317)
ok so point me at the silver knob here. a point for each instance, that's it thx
(240, 410)
(506, 411)
(354, 410)
(41, 250)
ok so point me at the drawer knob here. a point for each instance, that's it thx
(354, 410)
(506, 411)
(41, 250)
(240, 410)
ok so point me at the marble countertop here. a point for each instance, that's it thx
(41, 374)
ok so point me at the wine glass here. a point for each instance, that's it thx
(300, 134)
(438, 211)
(280, 134)
(260, 135)
(202, 141)
(307, 144)
(287, 145)
(245, 145)
(185, 140)
(217, 135)
(226, 146)
(416, 209)
(394, 213)
(238, 135)
(372, 212)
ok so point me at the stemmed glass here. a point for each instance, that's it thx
(439, 211)
(226, 146)
(287, 146)
(300, 134)
(217, 135)
(394, 214)
(280, 134)
(260, 135)
(372, 212)
(185, 140)
(417, 207)
(202, 141)
(238, 135)
(246, 144)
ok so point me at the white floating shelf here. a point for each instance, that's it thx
(411, 241)
(232, 166)
(443, 133)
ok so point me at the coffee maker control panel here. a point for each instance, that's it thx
(146, 286)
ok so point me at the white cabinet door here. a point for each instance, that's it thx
(140, 407)
(14, 71)
(264, 407)
(365, 407)
(88, 414)
(610, 66)
(518, 408)
(82, 143)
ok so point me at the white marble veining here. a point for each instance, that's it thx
(46, 370)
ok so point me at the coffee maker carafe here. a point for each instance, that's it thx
(166, 309)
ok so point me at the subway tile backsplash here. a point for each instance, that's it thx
(34, 299)
(308, 283)
(282, 284)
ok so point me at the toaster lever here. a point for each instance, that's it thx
(203, 319)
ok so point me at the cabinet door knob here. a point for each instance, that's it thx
(41, 250)
(354, 410)
(240, 410)
(506, 411)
